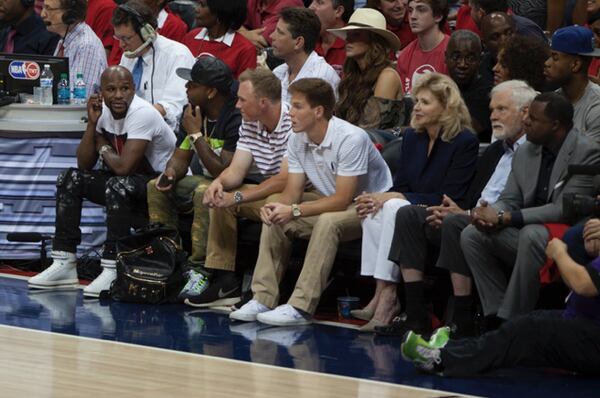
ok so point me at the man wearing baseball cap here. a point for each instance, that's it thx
(209, 125)
(573, 48)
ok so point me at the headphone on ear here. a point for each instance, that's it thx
(27, 3)
(70, 15)
(142, 28)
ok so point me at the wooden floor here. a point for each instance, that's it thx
(43, 364)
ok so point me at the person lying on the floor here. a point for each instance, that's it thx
(569, 340)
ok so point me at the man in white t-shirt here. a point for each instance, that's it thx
(133, 142)
(294, 40)
(340, 161)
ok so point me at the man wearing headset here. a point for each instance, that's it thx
(78, 41)
(25, 32)
(152, 60)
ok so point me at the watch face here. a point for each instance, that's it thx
(296, 211)
(237, 196)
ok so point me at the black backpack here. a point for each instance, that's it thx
(149, 266)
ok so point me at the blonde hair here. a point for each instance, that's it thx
(264, 82)
(455, 116)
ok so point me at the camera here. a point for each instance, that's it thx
(576, 206)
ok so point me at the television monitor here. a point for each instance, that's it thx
(20, 73)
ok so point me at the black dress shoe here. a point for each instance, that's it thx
(401, 325)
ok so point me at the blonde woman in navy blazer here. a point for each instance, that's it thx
(439, 155)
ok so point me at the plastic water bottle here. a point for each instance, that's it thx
(46, 81)
(79, 90)
(64, 91)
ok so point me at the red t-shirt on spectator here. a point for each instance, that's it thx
(336, 54)
(403, 32)
(413, 62)
(261, 15)
(464, 20)
(237, 52)
(99, 17)
(594, 67)
(169, 25)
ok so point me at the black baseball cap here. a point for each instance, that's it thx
(209, 71)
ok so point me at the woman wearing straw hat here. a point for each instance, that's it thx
(370, 92)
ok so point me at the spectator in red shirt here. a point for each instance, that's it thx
(427, 53)
(594, 70)
(396, 18)
(333, 14)
(262, 18)
(216, 35)
(170, 25)
(465, 21)
(99, 16)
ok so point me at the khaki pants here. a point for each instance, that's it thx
(222, 232)
(186, 197)
(324, 233)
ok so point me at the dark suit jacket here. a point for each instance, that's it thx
(519, 193)
(448, 169)
(32, 37)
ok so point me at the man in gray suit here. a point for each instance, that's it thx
(511, 235)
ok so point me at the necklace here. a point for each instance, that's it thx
(206, 134)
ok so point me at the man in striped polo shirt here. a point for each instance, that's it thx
(262, 143)
(340, 161)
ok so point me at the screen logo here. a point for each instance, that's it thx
(24, 70)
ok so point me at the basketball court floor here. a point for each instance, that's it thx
(55, 344)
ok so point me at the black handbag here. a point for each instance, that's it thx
(149, 266)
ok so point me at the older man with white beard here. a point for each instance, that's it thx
(443, 224)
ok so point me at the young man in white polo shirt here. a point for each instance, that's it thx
(294, 40)
(340, 161)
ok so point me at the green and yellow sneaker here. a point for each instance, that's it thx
(421, 353)
(440, 337)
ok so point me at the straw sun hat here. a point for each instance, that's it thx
(371, 20)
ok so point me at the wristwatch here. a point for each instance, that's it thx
(195, 136)
(500, 217)
(103, 149)
(238, 197)
(296, 211)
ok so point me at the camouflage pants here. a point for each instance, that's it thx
(184, 198)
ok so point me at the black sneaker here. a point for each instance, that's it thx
(401, 325)
(223, 290)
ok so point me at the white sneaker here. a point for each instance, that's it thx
(103, 281)
(60, 275)
(249, 311)
(284, 315)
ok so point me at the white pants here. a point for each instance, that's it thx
(378, 232)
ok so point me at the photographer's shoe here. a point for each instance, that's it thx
(421, 353)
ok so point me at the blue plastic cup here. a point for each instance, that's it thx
(345, 305)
